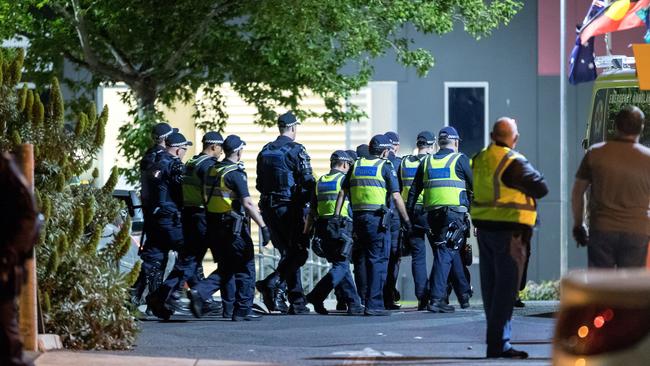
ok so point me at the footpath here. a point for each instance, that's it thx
(408, 337)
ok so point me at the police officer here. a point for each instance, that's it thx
(445, 178)
(286, 183)
(163, 202)
(341, 304)
(371, 183)
(358, 257)
(391, 295)
(229, 233)
(335, 238)
(158, 134)
(504, 212)
(193, 223)
(425, 144)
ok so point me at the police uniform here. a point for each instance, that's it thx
(444, 178)
(162, 205)
(504, 212)
(228, 236)
(335, 238)
(369, 183)
(391, 295)
(159, 132)
(194, 227)
(286, 183)
(406, 174)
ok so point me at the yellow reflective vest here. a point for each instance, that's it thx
(367, 185)
(193, 194)
(220, 196)
(327, 192)
(493, 200)
(407, 172)
(442, 186)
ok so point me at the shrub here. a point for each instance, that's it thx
(547, 290)
(82, 293)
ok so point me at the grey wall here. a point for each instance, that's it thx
(507, 60)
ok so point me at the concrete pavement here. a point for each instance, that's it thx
(407, 337)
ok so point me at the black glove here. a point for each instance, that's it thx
(407, 227)
(581, 235)
(266, 235)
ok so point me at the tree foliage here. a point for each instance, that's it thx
(270, 51)
(82, 292)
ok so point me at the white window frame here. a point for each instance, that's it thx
(471, 84)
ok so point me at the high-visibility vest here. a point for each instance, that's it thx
(327, 192)
(220, 196)
(442, 186)
(367, 185)
(407, 172)
(493, 200)
(193, 194)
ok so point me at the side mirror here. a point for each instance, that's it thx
(585, 144)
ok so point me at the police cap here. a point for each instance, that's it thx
(163, 130)
(233, 143)
(352, 154)
(177, 139)
(363, 151)
(379, 143)
(425, 138)
(212, 137)
(393, 137)
(448, 133)
(287, 120)
(340, 155)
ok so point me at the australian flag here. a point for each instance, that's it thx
(582, 66)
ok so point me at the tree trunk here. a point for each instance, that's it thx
(145, 94)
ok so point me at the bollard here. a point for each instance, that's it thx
(27, 305)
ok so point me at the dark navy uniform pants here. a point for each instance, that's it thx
(286, 230)
(394, 258)
(444, 258)
(375, 243)
(194, 248)
(162, 235)
(419, 252)
(502, 259)
(234, 254)
(339, 276)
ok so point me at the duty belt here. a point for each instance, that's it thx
(459, 209)
(273, 200)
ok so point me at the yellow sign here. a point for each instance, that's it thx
(642, 59)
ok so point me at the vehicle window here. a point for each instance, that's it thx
(620, 97)
(598, 117)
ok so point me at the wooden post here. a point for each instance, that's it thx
(27, 304)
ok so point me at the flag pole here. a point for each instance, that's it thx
(564, 237)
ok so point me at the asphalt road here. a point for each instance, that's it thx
(407, 337)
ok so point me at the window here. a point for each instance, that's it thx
(608, 102)
(466, 109)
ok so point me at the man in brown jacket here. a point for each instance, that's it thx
(618, 175)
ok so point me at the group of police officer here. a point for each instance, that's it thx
(369, 209)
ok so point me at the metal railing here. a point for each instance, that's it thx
(267, 259)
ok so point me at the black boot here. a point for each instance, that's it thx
(280, 300)
(438, 306)
(158, 307)
(423, 302)
(267, 287)
(318, 305)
